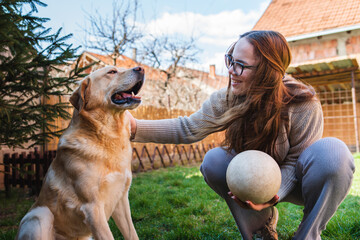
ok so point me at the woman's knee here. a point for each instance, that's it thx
(215, 164)
(330, 157)
(327, 169)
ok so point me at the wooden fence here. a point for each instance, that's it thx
(28, 170)
(142, 112)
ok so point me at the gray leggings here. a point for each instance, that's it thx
(324, 172)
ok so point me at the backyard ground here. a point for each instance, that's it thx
(176, 203)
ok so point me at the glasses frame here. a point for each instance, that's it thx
(229, 62)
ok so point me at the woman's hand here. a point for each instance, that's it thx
(253, 206)
(132, 123)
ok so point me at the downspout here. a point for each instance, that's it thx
(354, 109)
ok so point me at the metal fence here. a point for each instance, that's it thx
(28, 170)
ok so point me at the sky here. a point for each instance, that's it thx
(215, 24)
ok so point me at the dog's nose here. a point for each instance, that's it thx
(139, 69)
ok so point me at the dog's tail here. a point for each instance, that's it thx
(37, 224)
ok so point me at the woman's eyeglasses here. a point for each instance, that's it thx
(237, 66)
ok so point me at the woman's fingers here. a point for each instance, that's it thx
(238, 201)
(274, 200)
(251, 205)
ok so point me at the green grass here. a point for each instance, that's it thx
(176, 203)
(11, 212)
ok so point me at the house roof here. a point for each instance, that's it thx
(329, 75)
(123, 60)
(205, 78)
(126, 62)
(298, 17)
(181, 88)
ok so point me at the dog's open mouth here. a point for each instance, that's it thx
(128, 96)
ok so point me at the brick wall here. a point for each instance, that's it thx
(353, 45)
(314, 50)
(339, 44)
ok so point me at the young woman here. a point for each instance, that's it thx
(263, 109)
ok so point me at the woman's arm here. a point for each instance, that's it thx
(182, 129)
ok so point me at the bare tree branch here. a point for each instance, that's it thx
(168, 54)
(173, 52)
(113, 36)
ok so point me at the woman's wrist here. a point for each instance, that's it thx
(133, 125)
(133, 128)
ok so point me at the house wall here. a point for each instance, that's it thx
(322, 47)
(353, 45)
(337, 105)
(314, 50)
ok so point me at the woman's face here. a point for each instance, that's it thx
(243, 53)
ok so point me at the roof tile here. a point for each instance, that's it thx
(296, 17)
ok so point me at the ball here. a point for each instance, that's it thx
(253, 175)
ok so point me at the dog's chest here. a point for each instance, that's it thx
(115, 186)
(115, 183)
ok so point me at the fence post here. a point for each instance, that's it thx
(7, 175)
(37, 172)
(164, 150)
(21, 170)
(141, 165)
(46, 161)
(156, 150)
(29, 170)
(14, 163)
(199, 152)
(179, 153)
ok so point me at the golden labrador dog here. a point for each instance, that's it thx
(89, 179)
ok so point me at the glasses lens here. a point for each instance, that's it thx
(238, 68)
(228, 61)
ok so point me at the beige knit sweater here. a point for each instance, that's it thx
(305, 125)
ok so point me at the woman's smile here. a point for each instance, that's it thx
(243, 52)
(235, 83)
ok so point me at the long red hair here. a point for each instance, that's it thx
(254, 121)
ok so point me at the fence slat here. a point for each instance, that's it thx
(7, 174)
(28, 170)
(21, 170)
(14, 168)
(37, 172)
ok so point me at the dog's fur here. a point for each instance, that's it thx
(89, 179)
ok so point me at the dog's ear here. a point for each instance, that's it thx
(81, 95)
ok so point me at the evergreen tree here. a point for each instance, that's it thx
(28, 54)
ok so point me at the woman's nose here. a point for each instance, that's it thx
(231, 70)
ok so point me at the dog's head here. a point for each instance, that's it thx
(109, 87)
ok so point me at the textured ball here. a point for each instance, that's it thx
(253, 175)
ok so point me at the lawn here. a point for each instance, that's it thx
(176, 203)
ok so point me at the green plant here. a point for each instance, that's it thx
(176, 203)
(31, 58)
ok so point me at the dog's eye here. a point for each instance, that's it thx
(112, 72)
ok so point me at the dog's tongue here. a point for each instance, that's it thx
(128, 95)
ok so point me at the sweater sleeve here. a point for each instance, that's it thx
(306, 127)
(183, 129)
